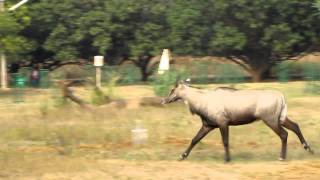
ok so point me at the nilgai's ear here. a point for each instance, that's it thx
(177, 83)
(188, 81)
(181, 82)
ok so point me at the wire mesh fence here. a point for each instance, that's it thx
(199, 71)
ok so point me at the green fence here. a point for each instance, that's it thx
(45, 80)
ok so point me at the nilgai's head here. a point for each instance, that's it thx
(176, 92)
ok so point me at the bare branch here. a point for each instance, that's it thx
(238, 61)
(68, 94)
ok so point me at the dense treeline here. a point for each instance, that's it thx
(254, 34)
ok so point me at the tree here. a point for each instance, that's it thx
(150, 36)
(254, 34)
(119, 30)
(12, 43)
(58, 28)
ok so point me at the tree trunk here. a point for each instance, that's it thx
(258, 75)
(144, 74)
(259, 68)
(143, 64)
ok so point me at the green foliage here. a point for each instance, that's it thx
(229, 73)
(189, 26)
(99, 97)
(257, 33)
(227, 38)
(164, 82)
(11, 43)
(75, 29)
(112, 84)
(8, 25)
(129, 74)
(70, 72)
(281, 38)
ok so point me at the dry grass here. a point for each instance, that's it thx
(38, 139)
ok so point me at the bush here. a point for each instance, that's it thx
(99, 97)
(164, 82)
(72, 72)
(129, 74)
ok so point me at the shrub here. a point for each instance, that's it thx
(129, 74)
(72, 72)
(99, 97)
(164, 82)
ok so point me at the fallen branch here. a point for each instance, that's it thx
(67, 93)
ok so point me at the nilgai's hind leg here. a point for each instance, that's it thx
(224, 130)
(201, 133)
(282, 133)
(295, 128)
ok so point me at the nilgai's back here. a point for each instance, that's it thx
(246, 104)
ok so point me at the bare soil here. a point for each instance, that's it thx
(123, 169)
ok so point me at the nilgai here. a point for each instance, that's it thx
(224, 107)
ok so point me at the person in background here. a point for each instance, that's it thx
(35, 76)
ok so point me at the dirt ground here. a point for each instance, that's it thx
(122, 169)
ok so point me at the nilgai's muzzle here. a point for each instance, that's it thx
(169, 99)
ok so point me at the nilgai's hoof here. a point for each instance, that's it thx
(307, 148)
(310, 151)
(281, 159)
(182, 157)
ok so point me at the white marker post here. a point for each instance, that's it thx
(164, 62)
(98, 63)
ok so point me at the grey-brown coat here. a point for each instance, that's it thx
(224, 107)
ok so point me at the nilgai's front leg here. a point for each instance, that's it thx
(224, 130)
(201, 133)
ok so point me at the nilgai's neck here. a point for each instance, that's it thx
(194, 98)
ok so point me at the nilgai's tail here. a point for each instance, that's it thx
(287, 123)
(284, 109)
